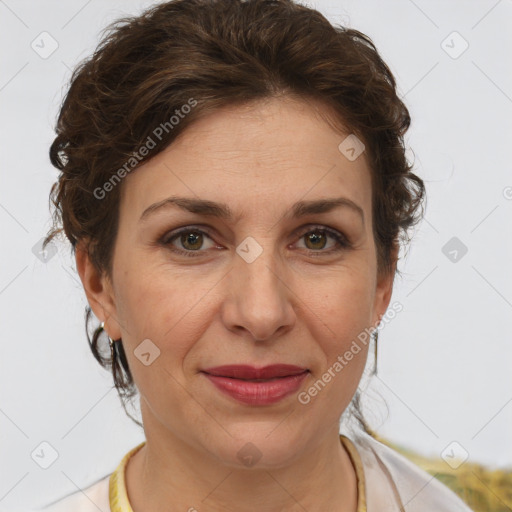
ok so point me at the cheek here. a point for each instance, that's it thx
(343, 304)
(161, 307)
(343, 339)
(164, 307)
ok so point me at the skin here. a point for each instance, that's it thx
(297, 303)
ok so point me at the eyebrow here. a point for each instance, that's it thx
(222, 211)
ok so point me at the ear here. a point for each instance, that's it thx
(384, 289)
(98, 289)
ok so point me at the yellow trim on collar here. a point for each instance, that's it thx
(118, 496)
(358, 466)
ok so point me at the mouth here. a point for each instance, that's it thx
(251, 373)
(257, 386)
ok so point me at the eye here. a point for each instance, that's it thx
(189, 241)
(316, 240)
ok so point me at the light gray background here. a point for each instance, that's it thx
(445, 360)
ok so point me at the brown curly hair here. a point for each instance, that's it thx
(219, 53)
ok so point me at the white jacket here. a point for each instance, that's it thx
(392, 484)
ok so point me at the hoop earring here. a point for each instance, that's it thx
(376, 339)
(111, 343)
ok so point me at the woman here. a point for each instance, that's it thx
(235, 188)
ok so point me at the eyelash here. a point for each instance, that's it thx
(343, 243)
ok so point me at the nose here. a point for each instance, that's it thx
(259, 298)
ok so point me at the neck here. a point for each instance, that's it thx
(175, 476)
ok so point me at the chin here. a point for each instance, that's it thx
(258, 446)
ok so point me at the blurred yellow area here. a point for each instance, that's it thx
(483, 489)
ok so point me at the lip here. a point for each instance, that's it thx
(257, 386)
(248, 372)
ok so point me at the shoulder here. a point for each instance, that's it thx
(90, 499)
(393, 479)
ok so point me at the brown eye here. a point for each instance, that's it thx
(191, 240)
(188, 241)
(316, 239)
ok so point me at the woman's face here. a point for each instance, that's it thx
(268, 284)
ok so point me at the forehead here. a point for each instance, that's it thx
(265, 153)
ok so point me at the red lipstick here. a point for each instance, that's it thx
(257, 386)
